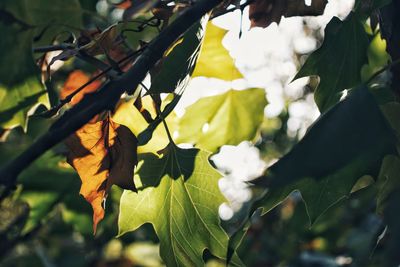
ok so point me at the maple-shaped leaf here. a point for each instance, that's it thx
(103, 153)
(74, 81)
(338, 61)
(214, 60)
(178, 194)
(344, 144)
(225, 119)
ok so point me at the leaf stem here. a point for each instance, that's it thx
(159, 114)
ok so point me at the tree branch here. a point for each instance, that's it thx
(108, 95)
(50, 48)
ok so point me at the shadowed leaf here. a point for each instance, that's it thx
(128, 115)
(175, 69)
(349, 141)
(178, 194)
(20, 87)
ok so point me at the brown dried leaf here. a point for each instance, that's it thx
(103, 153)
(102, 42)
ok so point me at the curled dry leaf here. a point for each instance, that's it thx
(103, 153)
(102, 42)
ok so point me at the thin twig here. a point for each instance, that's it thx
(159, 114)
(51, 112)
(50, 48)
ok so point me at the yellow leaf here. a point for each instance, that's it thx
(129, 116)
(214, 60)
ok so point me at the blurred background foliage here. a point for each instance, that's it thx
(46, 223)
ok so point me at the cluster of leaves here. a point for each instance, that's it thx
(172, 188)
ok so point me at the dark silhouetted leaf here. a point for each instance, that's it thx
(349, 141)
(175, 69)
(338, 61)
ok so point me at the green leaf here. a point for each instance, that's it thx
(388, 181)
(45, 184)
(214, 60)
(20, 87)
(47, 181)
(347, 142)
(48, 18)
(392, 219)
(338, 61)
(13, 216)
(231, 118)
(43, 12)
(178, 65)
(143, 254)
(378, 58)
(391, 110)
(178, 194)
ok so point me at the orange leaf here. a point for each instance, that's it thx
(103, 153)
(75, 80)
